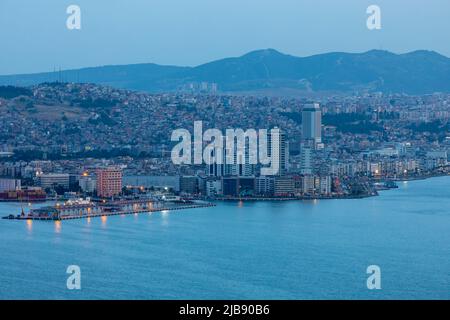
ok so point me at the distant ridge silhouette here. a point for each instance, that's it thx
(417, 72)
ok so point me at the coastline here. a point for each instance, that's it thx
(275, 199)
(423, 177)
(279, 199)
(302, 198)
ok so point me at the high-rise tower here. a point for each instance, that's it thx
(280, 152)
(312, 123)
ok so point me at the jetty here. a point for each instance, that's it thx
(87, 209)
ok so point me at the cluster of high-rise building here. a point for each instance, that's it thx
(245, 179)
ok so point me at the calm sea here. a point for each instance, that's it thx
(261, 250)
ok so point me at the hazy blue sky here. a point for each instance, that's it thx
(34, 37)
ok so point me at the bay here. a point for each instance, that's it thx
(240, 250)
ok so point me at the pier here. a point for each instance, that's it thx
(62, 212)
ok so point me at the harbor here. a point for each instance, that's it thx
(85, 208)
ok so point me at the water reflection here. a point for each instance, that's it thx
(57, 226)
(104, 219)
(30, 225)
(165, 217)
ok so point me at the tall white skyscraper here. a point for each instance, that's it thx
(281, 150)
(312, 123)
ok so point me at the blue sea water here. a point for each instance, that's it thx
(253, 250)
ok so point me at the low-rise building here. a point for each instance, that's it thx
(9, 184)
(52, 180)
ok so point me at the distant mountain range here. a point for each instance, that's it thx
(418, 72)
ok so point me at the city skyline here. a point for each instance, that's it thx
(339, 147)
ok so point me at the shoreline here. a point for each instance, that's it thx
(279, 199)
(423, 177)
(377, 193)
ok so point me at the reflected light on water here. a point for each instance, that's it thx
(240, 204)
(104, 219)
(89, 220)
(165, 217)
(29, 225)
(58, 226)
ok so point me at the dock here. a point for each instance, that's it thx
(61, 217)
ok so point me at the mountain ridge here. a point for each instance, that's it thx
(416, 72)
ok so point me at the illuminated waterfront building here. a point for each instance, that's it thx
(109, 182)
